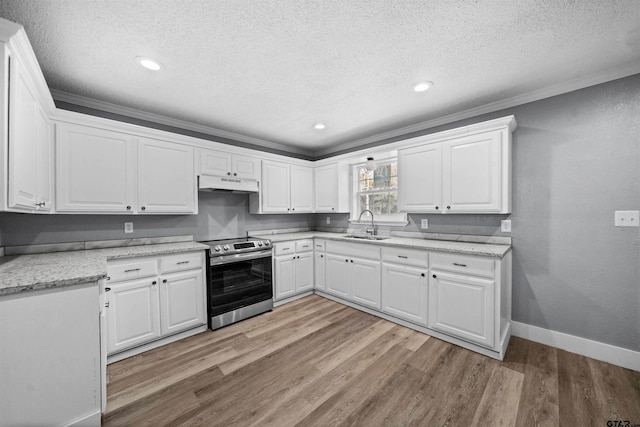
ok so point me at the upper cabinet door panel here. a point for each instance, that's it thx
(95, 170)
(472, 174)
(275, 187)
(215, 163)
(166, 178)
(301, 189)
(420, 179)
(246, 167)
(326, 185)
(23, 107)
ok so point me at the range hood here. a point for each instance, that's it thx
(221, 183)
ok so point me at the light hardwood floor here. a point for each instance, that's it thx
(314, 362)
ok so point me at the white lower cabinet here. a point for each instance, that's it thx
(353, 272)
(319, 265)
(293, 268)
(153, 297)
(405, 284)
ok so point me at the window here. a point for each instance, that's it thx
(377, 191)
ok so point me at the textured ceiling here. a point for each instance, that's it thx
(270, 69)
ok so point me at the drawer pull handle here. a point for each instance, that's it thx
(183, 262)
(286, 249)
(131, 270)
(403, 256)
(459, 265)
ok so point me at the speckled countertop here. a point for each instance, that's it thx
(468, 248)
(24, 273)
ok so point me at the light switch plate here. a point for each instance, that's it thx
(128, 227)
(627, 218)
(505, 226)
(424, 223)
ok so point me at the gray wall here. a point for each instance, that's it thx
(222, 215)
(576, 160)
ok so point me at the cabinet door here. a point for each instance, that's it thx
(365, 282)
(275, 187)
(95, 170)
(216, 163)
(319, 271)
(23, 140)
(326, 188)
(182, 301)
(133, 316)
(337, 275)
(246, 167)
(462, 307)
(301, 189)
(166, 179)
(420, 179)
(285, 276)
(404, 292)
(472, 174)
(304, 272)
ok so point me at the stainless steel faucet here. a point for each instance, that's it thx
(370, 230)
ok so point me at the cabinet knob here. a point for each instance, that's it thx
(434, 276)
(235, 174)
(128, 208)
(154, 283)
(437, 208)
(293, 257)
(293, 209)
(108, 278)
(346, 260)
(448, 207)
(143, 208)
(164, 281)
(352, 261)
(321, 256)
(228, 173)
(107, 289)
(422, 274)
(333, 209)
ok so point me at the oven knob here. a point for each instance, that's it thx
(225, 247)
(216, 248)
(259, 242)
(267, 242)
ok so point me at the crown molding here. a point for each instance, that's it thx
(108, 107)
(547, 92)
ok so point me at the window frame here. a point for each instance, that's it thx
(397, 219)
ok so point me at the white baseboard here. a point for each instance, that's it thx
(596, 350)
(93, 419)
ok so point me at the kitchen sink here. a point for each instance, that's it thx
(361, 237)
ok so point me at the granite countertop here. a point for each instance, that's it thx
(468, 248)
(24, 273)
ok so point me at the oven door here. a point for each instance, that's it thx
(242, 280)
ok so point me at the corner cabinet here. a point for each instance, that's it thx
(286, 188)
(466, 174)
(103, 171)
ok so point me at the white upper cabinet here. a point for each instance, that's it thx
(420, 178)
(286, 188)
(472, 174)
(468, 174)
(102, 171)
(95, 170)
(219, 163)
(30, 139)
(166, 177)
(331, 188)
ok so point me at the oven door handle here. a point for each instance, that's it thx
(228, 259)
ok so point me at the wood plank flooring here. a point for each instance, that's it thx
(314, 362)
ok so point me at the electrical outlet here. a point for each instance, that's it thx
(424, 223)
(128, 227)
(505, 226)
(328, 220)
(626, 218)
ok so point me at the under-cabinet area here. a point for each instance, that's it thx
(460, 297)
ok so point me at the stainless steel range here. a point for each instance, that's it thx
(239, 280)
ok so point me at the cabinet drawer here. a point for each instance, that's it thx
(304, 245)
(318, 245)
(354, 250)
(284, 248)
(180, 262)
(133, 268)
(464, 264)
(412, 257)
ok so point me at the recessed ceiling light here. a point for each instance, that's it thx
(319, 126)
(422, 86)
(149, 63)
